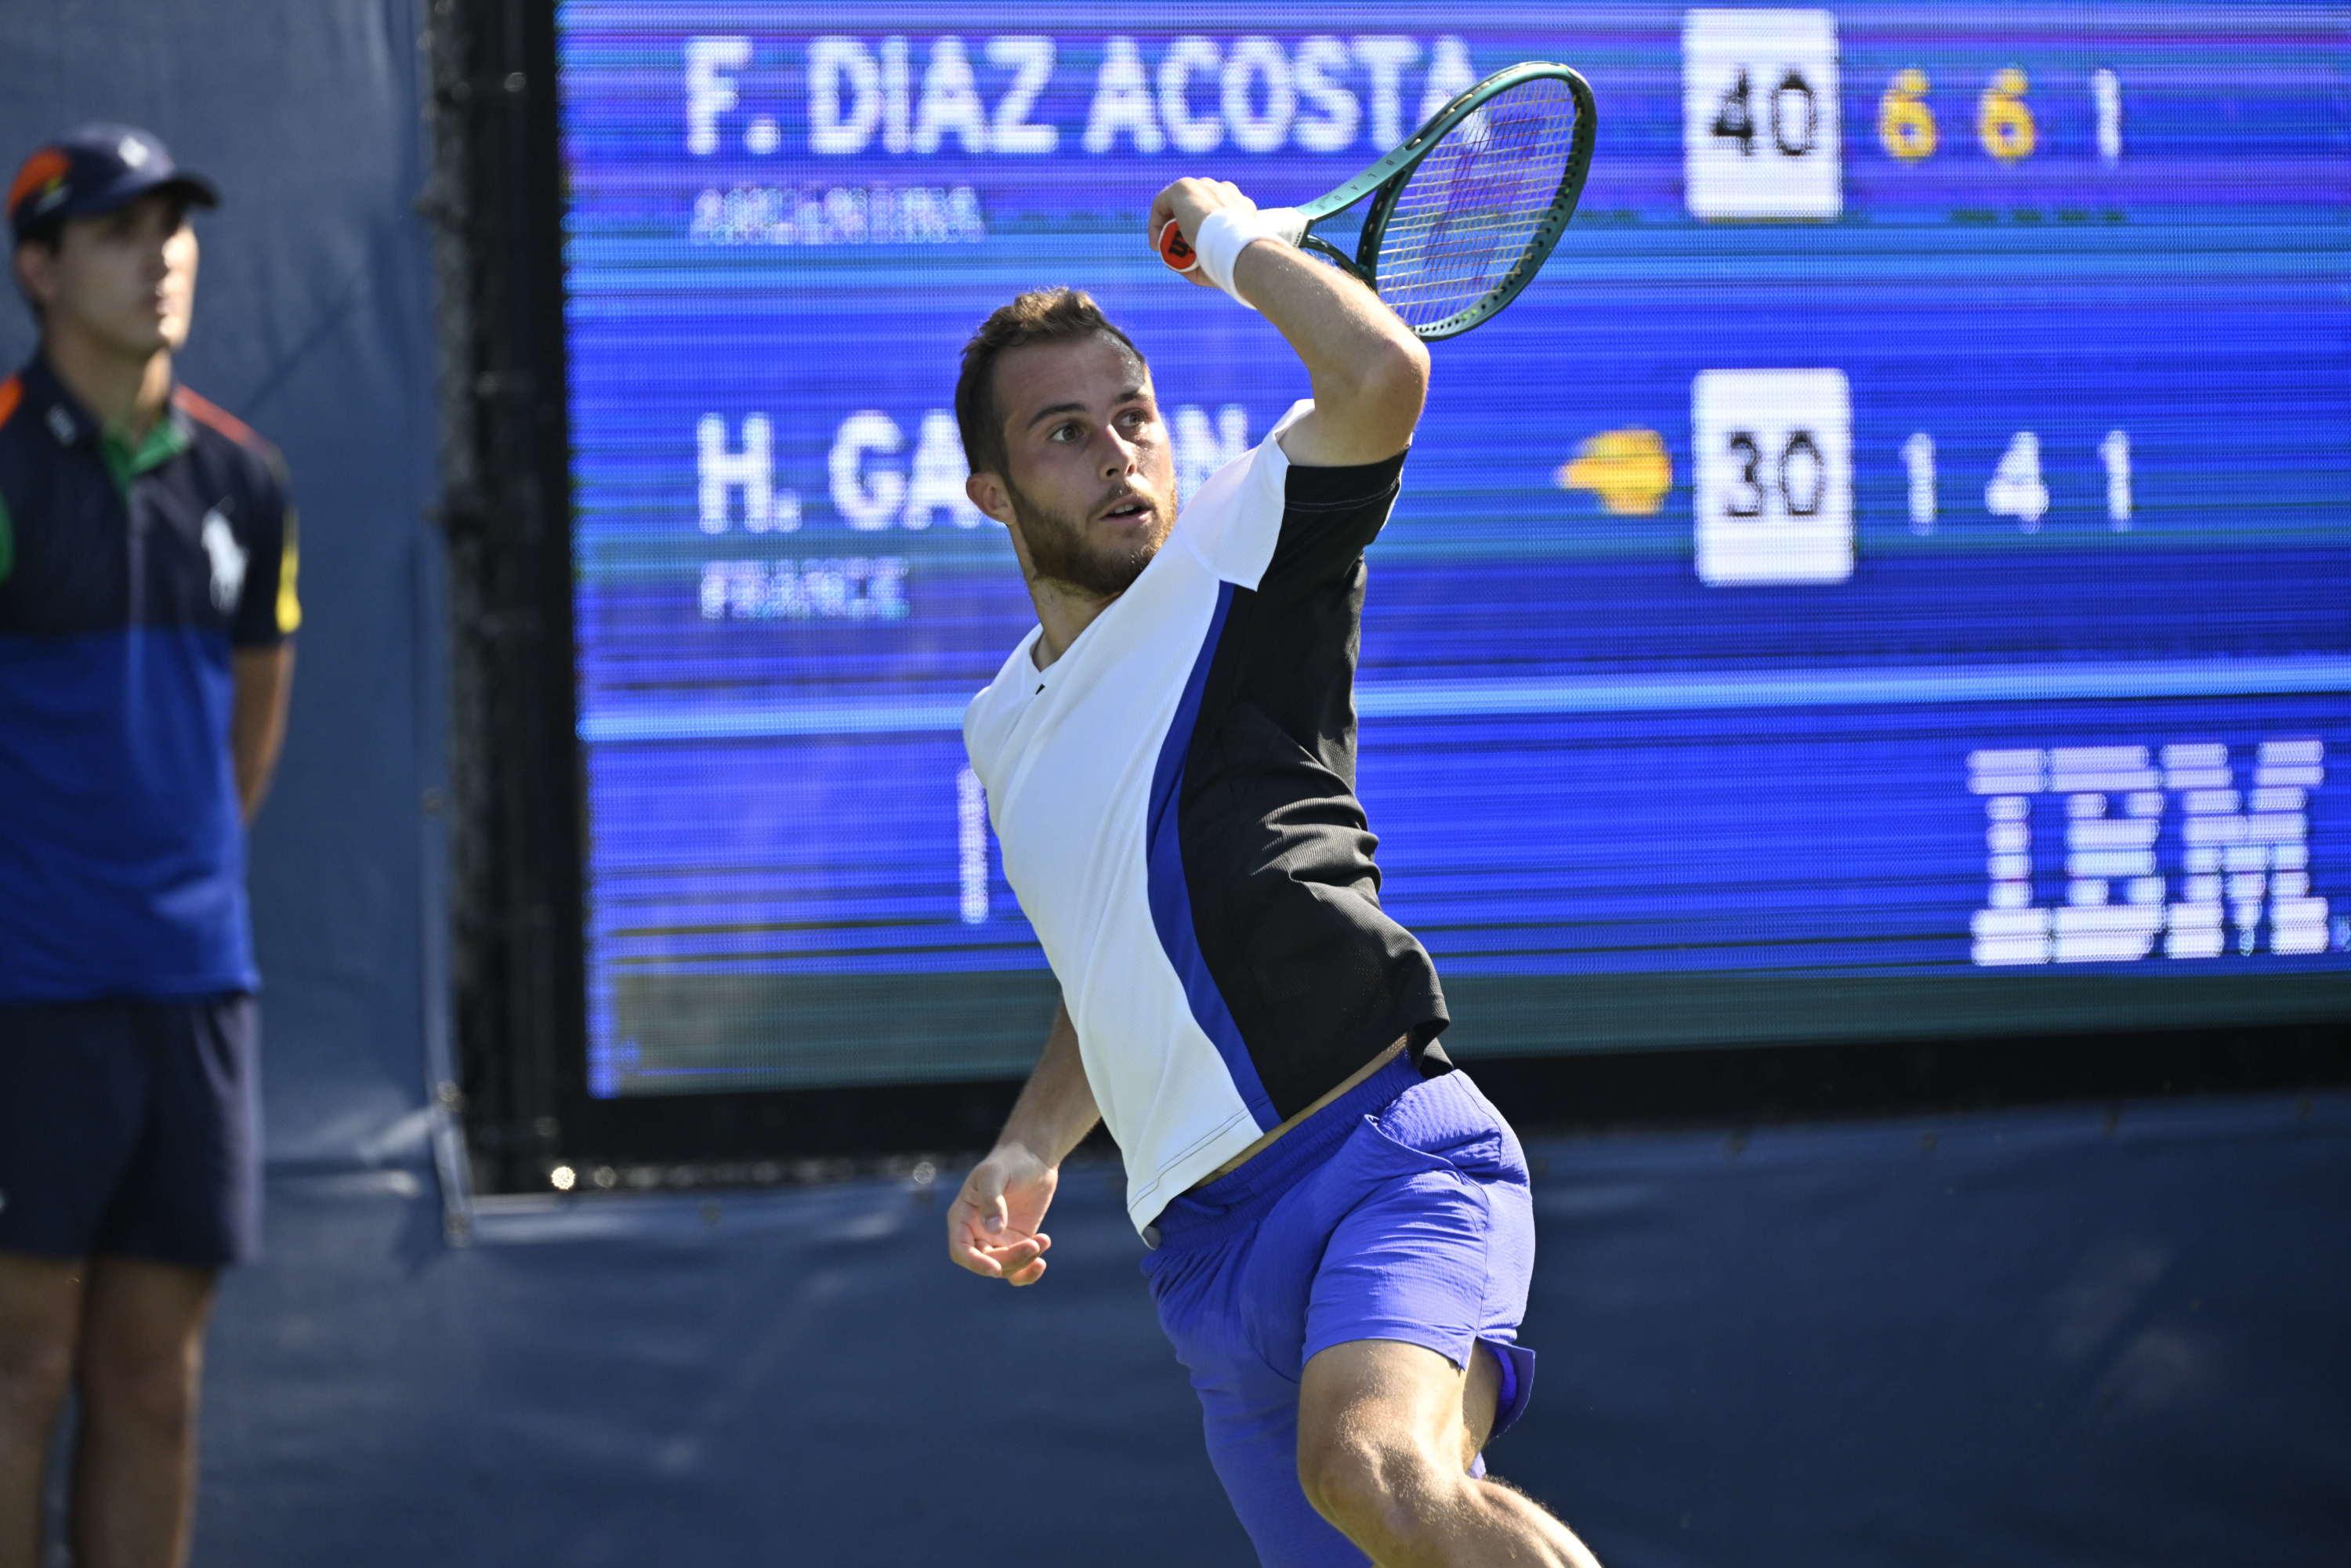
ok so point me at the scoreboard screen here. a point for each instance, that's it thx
(1887, 576)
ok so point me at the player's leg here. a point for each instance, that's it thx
(140, 1364)
(1249, 1406)
(1411, 1352)
(1386, 1433)
(40, 1321)
(188, 1204)
(72, 1098)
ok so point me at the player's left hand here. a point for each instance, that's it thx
(1190, 202)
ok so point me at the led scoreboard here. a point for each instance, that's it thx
(1888, 576)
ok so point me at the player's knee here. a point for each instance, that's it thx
(150, 1387)
(36, 1365)
(1368, 1486)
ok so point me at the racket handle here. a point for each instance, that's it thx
(1175, 251)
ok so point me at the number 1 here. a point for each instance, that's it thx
(1918, 456)
(971, 848)
(2116, 450)
(2107, 90)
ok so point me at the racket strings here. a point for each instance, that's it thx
(1463, 221)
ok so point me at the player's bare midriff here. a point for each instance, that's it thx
(1270, 1139)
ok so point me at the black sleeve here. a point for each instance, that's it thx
(1328, 517)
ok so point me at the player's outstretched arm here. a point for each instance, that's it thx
(992, 1226)
(1370, 372)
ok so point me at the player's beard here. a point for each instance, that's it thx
(1059, 552)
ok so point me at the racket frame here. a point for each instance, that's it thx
(1385, 181)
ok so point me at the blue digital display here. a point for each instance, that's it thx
(1887, 575)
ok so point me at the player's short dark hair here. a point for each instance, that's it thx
(1039, 315)
(48, 235)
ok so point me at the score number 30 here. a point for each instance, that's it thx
(1774, 483)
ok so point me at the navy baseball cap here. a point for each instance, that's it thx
(96, 169)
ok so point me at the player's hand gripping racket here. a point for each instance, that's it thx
(1465, 212)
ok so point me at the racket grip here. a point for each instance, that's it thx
(1175, 251)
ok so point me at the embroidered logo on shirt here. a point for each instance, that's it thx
(228, 559)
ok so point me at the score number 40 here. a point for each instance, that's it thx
(2016, 488)
(1760, 135)
(1792, 108)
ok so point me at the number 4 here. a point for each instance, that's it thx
(1736, 120)
(2016, 490)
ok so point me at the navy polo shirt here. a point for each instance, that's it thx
(128, 575)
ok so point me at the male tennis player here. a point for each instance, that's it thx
(146, 601)
(1339, 1226)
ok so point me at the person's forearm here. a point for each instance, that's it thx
(1363, 360)
(253, 753)
(1056, 1109)
(256, 725)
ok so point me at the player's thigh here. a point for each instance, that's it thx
(1436, 1252)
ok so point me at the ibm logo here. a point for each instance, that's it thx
(2243, 855)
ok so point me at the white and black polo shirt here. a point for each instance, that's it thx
(1176, 798)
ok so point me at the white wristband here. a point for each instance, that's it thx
(1224, 234)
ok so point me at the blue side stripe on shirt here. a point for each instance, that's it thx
(1171, 897)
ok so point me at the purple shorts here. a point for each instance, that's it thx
(1399, 1211)
(130, 1128)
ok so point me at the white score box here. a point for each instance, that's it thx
(1761, 132)
(1773, 452)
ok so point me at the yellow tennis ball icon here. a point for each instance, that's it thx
(1627, 469)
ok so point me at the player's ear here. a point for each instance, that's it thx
(35, 263)
(987, 493)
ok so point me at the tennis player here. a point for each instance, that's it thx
(1338, 1222)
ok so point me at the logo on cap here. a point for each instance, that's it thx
(44, 171)
(133, 152)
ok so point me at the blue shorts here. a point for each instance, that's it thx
(131, 1128)
(1399, 1211)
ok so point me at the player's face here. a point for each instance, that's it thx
(1091, 491)
(123, 281)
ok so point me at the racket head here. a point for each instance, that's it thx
(1465, 225)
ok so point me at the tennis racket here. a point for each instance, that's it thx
(1465, 212)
